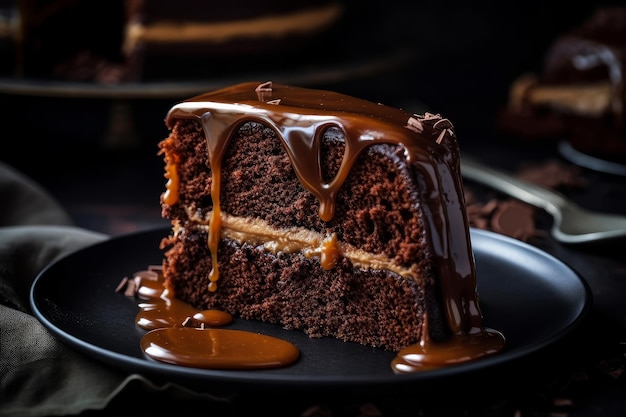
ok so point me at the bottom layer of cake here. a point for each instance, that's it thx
(371, 307)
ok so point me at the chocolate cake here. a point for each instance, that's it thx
(579, 94)
(324, 213)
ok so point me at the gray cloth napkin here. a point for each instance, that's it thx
(39, 375)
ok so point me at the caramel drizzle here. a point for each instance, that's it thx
(300, 116)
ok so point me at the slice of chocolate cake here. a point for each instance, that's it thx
(322, 212)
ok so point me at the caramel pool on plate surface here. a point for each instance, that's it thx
(218, 348)
(182, 335)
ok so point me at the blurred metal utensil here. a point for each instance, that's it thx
(572, 223)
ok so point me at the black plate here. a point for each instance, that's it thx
(530, 296)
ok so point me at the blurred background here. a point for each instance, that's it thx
(91, 139)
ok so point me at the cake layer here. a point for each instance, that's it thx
(373, 307)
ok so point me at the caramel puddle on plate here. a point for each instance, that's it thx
(218, 348)
(182, 335)
(457, 349)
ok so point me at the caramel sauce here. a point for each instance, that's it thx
(218, 348)
(330, 253)
(299, 117)
(429, 354)
(457, 349)
(216, 221)
(182, 335)
(171, 187)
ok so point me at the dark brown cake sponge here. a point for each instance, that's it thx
(376, 216)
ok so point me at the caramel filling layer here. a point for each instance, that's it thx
(309, 243)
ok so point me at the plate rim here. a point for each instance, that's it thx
(244, 378)
(585, 160)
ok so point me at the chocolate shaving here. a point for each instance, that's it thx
(149, 274)
(263, 90)
(438, 123)
(414, 124)
(192, 322)
(442, 124)
(129, 286)
(264, 87)
(122, 284)
(132, 287)
(441, 136)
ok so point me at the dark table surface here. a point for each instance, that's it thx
(106, 172)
